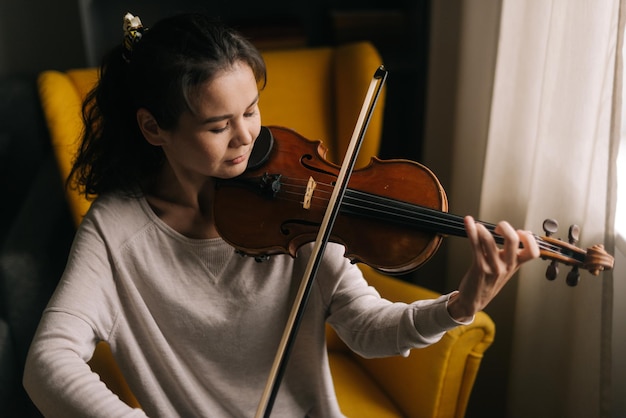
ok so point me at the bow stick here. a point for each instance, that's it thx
(295, 317)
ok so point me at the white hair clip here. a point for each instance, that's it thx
(133, 31)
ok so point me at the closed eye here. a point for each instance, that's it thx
(249, 114)
(219, 130)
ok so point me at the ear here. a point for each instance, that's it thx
(150, 127)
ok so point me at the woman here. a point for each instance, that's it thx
(193, 325)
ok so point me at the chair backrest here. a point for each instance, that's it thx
(318, 92)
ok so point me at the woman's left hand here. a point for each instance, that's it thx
(491, 267)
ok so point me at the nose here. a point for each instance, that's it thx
(243, 135)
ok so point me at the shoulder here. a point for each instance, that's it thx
(116, 207)
(115, 216)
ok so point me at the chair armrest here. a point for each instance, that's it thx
(441, 375)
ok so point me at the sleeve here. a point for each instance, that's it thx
(81, 312)
(57, 377)
(373, 326)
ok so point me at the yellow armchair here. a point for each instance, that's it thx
(317, 92)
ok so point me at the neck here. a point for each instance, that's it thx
(184, 206)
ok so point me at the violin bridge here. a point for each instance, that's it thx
(308, 194)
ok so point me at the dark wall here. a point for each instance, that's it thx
(39, 34)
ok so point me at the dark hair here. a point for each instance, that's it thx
(172, 58)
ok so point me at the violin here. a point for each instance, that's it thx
(393, 216)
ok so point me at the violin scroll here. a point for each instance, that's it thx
(598, 260)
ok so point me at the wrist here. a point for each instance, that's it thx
(458, 310)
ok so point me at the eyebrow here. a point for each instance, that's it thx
(219, 118)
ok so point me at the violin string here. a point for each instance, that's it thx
(424, 215)
(442, 221)
(435, 219)
(414, 214)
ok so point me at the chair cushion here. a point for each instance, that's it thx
(358, 394)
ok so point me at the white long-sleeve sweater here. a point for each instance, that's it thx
(195, 326)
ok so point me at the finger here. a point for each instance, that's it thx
(511, 242)
(472, 235)
(530, 248)
(470, 228)
(489, 248)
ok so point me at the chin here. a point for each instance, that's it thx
(229, 174)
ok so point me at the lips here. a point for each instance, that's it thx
(240, 159)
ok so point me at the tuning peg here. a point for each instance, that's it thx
(553, 270)
(573, 277)
(550, 226)
(573, 235)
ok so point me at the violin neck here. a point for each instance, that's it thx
(432, 220)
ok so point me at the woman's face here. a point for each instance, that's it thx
(215, 138)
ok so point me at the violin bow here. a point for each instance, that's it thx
(295, 317)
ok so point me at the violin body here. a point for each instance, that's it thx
(259, 222)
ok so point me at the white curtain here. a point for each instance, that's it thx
(550, 153)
